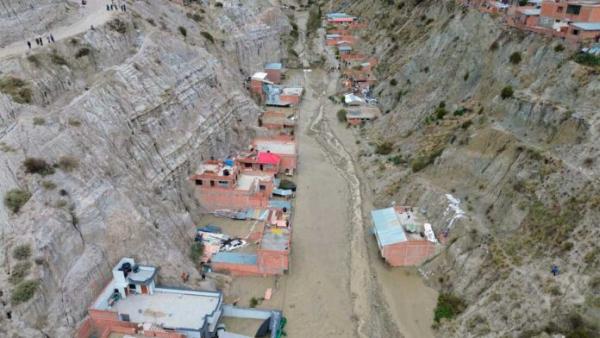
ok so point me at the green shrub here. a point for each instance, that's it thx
(515, 58)
(587, 59)
(182, 30)
(34, 59)
(118, 26)
(195, 16)
(24, 291)
(494, 46)
(466, 76)
(393, 82)
(37, 166)
(73, 122)
(15, 199)
(19, 272)
(314, 20)
(254, 302)
(68, 163)
(38, 121)
(448, 306)
(507, 92)
(17, 89)
(22, 252)
(208, 36)
(341, 115)
(421, 162)
(196, 252)
(559, 48)
(57, 59)
(82, 52)
(440, 112)
(48, 185)
(384, 148)
(219, 4)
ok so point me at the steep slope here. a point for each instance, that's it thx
(131, 108)
(524, 166)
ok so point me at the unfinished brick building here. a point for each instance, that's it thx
(223, 185)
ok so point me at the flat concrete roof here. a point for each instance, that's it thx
(245, 180)
(170, 308)
(276, 146)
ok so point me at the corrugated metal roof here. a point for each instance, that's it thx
(273, 66)
(531, 11)
(234, 258)
(278, 204)
(587, 26)
(387, 227)
(344, 48)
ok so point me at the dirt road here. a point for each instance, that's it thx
(92, 14)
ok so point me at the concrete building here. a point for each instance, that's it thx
(257, 82)
(402, 239)
(277, 120)
(259, 161)
(223, 185)
(360, 115)
(132, 304)
(283, 146)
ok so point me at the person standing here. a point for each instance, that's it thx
(42, 42)
(52, 38)
(107, 7)
(29, 44)
(48, 38)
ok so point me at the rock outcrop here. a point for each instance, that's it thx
(524, 166)
(125, 112)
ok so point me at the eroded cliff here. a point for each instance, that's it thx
(123, 114)
(515, 138)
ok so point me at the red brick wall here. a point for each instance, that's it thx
(408, 253)
(214, 199)
(236, 269)
(274, 75)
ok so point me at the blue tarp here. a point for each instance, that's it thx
(387, 227)
(234, 258)
(277, 204)
(257, 214)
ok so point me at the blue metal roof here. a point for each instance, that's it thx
(274, 65)
(587, 26)
(279, 204)
(387, 227)
(344, 48)
(234, 258)
(337, 15)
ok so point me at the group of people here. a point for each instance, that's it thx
(113, 7)
(40, 41)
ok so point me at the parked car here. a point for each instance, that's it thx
(232, 244)
(287, 185)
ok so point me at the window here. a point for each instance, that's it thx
(560, 9)
(198, 182)
(262, 187)
(573, 9)
(248, 165)
(212, 183)
(576, 32)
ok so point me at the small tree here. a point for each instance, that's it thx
(393, 82)
(37, 166)
(183, 31)
(384, 148)
(507, 92)
(515, 58)
(22, 252)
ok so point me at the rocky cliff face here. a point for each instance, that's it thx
(131, 108)
(524, 166)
